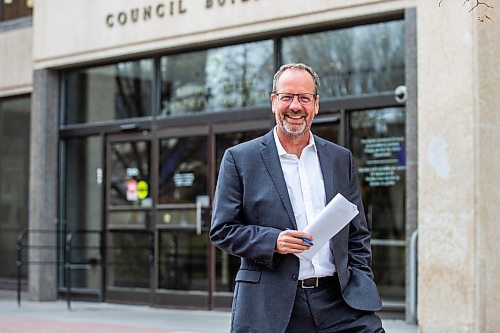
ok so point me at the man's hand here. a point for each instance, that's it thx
(290, 241)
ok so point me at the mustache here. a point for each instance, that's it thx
(295, 114)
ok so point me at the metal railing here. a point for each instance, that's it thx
(68, 262)
(22, 245)
(66, 257)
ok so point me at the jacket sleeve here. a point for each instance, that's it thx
(233, 229)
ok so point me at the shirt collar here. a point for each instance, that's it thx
(282, 151)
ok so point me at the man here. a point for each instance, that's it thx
(268, 190)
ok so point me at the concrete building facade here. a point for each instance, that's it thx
(131, 104)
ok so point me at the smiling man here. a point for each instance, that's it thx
(268, 190)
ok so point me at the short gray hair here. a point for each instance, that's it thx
(299, 66)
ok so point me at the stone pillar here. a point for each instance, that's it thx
(458, 136)
(487, 186)
(42, 278)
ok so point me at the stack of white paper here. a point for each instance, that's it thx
(333, 218)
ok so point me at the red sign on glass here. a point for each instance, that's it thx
(132, 190)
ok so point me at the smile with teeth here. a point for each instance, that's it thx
(295, 117)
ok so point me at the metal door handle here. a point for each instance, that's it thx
(202, 201)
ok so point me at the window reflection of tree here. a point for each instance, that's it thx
(352, 61)
(183, 71)
(132, 91)
(240, 74)
(215, 79)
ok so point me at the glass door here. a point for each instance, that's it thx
(378, 143)
(182, 218)
(129, 237)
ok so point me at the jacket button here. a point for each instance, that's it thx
(295, 277)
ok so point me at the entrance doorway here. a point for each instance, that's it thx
(128, 218)
(157, 191)
(157, 216)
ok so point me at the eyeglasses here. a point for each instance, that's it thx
(287, 98)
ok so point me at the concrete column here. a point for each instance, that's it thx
(42, 278)
(487, 187)
(458, 135)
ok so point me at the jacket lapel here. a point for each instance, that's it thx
(326, 163)
(333, 185)
(271, 159)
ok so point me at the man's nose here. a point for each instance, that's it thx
(295, 104)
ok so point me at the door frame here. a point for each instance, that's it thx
(122, 294)
(172, 297)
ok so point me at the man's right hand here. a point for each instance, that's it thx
(290, 241)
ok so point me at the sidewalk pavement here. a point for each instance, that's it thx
(53, 317)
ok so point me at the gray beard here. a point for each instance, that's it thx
(287, 129)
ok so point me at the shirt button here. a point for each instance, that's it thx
(295, 277)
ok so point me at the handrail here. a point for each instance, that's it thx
(66, 261)
(67, 258)
(413, 315)
(19, 250)
(21, 245)
(69, 247)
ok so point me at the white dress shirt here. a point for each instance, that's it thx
(306, 190)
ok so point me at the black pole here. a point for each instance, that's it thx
(19, 264)
(67, 269)
(18, 275)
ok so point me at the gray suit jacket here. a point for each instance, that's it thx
(251, 208)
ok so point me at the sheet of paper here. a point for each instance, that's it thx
(333, 218)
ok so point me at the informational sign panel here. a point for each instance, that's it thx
(386, 157)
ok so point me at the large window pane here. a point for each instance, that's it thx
(83, 183)
(117, 91)
(352, 61)
(82, 202)
(183, 261)
(328, 130)
(183, 170)
(129, 256)
(389, 262)
(14, 174)
(379, 148)
(130, 174)
(217, 79)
